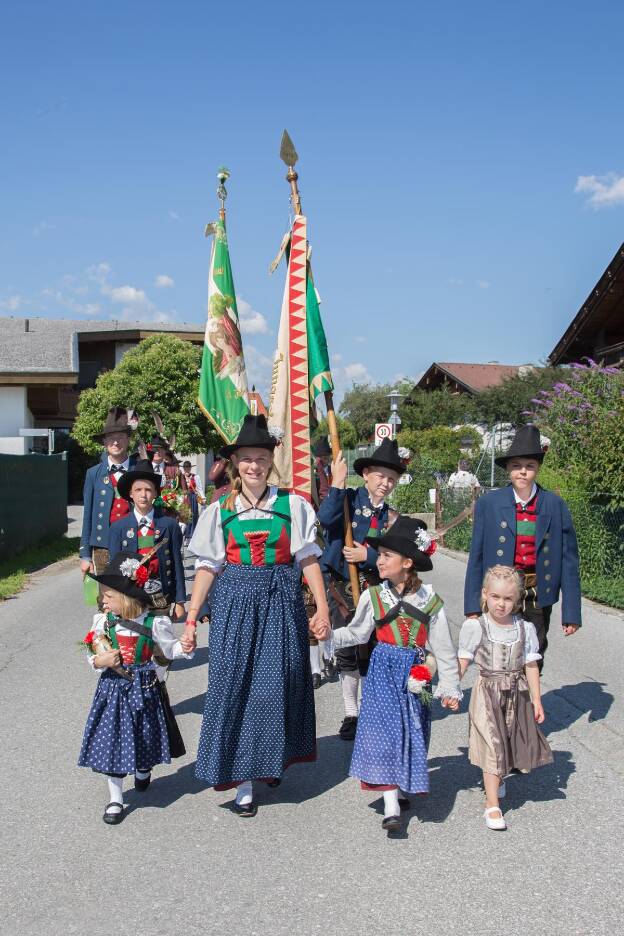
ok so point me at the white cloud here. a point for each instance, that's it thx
(483, 284)
(163, 281)
(456, 282)
(336, 358)
(251, 321)
(61, 300)
(174, 215)
(129, 295)
(357, 373)
(259, 370)
(603, 191)
(13, 303)
(40, 228)
(99, 273)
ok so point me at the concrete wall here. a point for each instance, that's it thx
(14, 415)
(33, 500)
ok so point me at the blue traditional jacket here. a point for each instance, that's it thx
(98, 497)
(557, 559)
(123, 535)
(331, 517)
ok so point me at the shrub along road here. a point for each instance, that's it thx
(314, 860)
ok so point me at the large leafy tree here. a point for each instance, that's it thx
(159, 375)
(346, 431)
(510, 402)
(424, 409)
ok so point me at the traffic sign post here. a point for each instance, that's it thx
(382, 431)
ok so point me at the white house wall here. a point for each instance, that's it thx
(14, 415)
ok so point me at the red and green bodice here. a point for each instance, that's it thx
(261, 542)
(120, 506)
(134, 648)
(402, 629)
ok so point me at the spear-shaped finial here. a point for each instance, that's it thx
(288, 154)
(223, 175)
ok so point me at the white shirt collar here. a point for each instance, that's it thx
(124, 465)
(139, 517)
(518, 500)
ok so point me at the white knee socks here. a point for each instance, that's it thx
(391, 803)
(315, 659)
(115, 790)
(349, 683)
(244, 793)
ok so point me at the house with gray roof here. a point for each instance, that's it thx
(45, 363)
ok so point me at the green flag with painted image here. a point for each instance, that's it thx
(223, 393)
(319, 374)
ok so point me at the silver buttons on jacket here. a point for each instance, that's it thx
(503, 524)
(501, 539)
(499, 552)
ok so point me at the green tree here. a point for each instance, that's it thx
(367, 404)
(346, 431)
(439, 448)
(159, 375)
(424, 409)
(511, 400)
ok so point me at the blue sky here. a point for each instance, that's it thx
(461, 167)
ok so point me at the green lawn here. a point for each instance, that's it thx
(14, 571)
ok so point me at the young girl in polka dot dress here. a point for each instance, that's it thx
(130, 727)
(390, 751)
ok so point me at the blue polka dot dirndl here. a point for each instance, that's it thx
(394, 726)
(126, 729)
(259, 713)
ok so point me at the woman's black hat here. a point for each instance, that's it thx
(321, 448)
(385, 455)
(526, 444)
(254, 433)
(116, 421)
(404, 537)
(141, 471)
(118, 575)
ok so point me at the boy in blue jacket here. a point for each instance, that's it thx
(370, 517)
(527, 527)
(145, 527)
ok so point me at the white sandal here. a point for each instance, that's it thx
(498, 824)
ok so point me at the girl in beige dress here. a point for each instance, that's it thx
(505, 705)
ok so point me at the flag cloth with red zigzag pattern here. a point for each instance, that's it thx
(300, 369)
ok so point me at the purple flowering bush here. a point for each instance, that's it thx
(584, 418)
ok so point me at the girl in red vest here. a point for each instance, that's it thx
(130, 728)
(392, 739)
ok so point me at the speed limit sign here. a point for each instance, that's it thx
(382, 431)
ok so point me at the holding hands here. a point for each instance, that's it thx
(319, 625)
(450, 703)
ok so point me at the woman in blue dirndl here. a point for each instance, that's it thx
(259, 710)
(393, 731)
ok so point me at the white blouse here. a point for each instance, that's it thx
(439, 640)
(162, 632)
(208, 544)
(470, 637)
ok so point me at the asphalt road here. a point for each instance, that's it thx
(314, 860)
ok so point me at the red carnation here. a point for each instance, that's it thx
(90, 637)
(429, 551)
(141, 576)
(421, 673)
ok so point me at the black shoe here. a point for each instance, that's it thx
(391, 823)
(404, 803)
(114, 818)
(142, 785)
(316, 680)
(348, 728)
(330, 669)
(248, 811)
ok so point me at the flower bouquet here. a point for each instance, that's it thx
(95, 643)
(175, 503)
(419, 680)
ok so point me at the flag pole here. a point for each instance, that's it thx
(290, 157)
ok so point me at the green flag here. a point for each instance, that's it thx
(319, 374)
(223, 394)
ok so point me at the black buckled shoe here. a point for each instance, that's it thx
(348, 728)
(142, 784)
(391, 823)
(247, 811)
(316, 680)
(114, 818)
